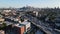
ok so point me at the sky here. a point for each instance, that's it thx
(33, 3)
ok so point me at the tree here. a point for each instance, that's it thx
(52, 16)
(3, 26)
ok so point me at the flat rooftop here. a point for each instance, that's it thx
(25, 22)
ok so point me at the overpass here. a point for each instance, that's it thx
(41, 25)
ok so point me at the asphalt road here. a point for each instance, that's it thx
(41, 25)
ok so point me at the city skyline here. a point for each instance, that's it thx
(33, 3)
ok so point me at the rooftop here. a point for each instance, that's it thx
(19, 25)
(25, 22)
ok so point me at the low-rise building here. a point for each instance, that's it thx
(1, 20)
(7, 10)
(27, 25)
(2, 32)
(20, 28)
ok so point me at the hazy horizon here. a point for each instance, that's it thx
(33, 3)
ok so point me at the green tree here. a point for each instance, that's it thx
(3, 26)
(52, 16)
